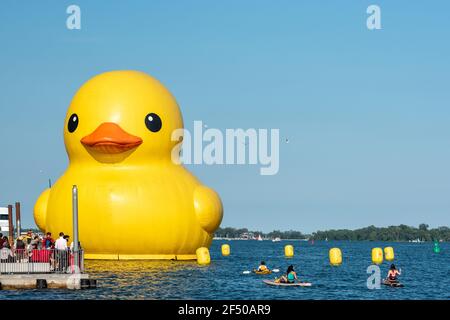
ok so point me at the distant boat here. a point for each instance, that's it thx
(276, 239)
(259, 238)
(245, 236)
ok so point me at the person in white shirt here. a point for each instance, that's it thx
(61, 253)
(6, 254)
(61, 243)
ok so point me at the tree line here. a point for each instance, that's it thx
(371, 233)
(238, 233)
(391, 233)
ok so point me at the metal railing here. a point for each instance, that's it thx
(40, 261)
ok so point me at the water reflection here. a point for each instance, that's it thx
(146, 279)
(114, 266)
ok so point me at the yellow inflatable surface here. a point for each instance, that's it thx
(134, 201)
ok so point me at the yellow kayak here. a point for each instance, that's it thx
(262, 272)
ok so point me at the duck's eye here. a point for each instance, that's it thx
(153, 122)
(73, 123)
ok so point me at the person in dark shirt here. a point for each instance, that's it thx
(48, 242)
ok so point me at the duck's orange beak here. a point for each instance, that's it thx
(111, 138)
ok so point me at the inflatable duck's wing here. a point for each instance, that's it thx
(208, 208)
(40, 209)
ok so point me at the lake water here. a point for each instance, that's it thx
(426, 275)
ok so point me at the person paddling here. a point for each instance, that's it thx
(262, 267)
(393, 274)
(290, 277)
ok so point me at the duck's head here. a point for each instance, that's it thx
(121, 116)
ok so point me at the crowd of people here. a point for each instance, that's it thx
(32, 247)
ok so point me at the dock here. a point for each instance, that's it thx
(44, 269)
(47, 280)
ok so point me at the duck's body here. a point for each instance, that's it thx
(130, 206)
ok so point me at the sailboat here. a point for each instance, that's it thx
(259, 238)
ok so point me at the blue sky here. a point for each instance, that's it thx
(366, 112)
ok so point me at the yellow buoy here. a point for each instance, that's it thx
(335, 256)
(225, 250)
(203, 257)
(389, 253)
(377, 255)
(289, 251)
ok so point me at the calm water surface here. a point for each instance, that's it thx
(426, 275)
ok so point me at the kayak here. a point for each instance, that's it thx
(281, 284)
(393, 284)
(262, 272)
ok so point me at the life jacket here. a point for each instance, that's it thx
(291, 276)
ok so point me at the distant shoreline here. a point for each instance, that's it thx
(308, 240)
(401, 233)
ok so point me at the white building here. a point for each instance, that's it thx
(4, 222)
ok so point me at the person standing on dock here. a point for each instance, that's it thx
(67, 237)
(20, 249)
(5, 240)
(61, 252)
(48, 242)
(6, 254)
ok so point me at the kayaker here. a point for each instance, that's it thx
(262, 267)
(290, 277)
(393, 273)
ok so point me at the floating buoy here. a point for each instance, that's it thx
(225, 250)
(436, 248)
(335, 256)
(289, 251)
(203, 257)
(120, 128)
(377, 255)
(389, 253)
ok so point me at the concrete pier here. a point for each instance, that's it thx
(45, 280)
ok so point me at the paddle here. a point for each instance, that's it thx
(249, 272)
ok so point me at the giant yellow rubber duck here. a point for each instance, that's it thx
(135, 201)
